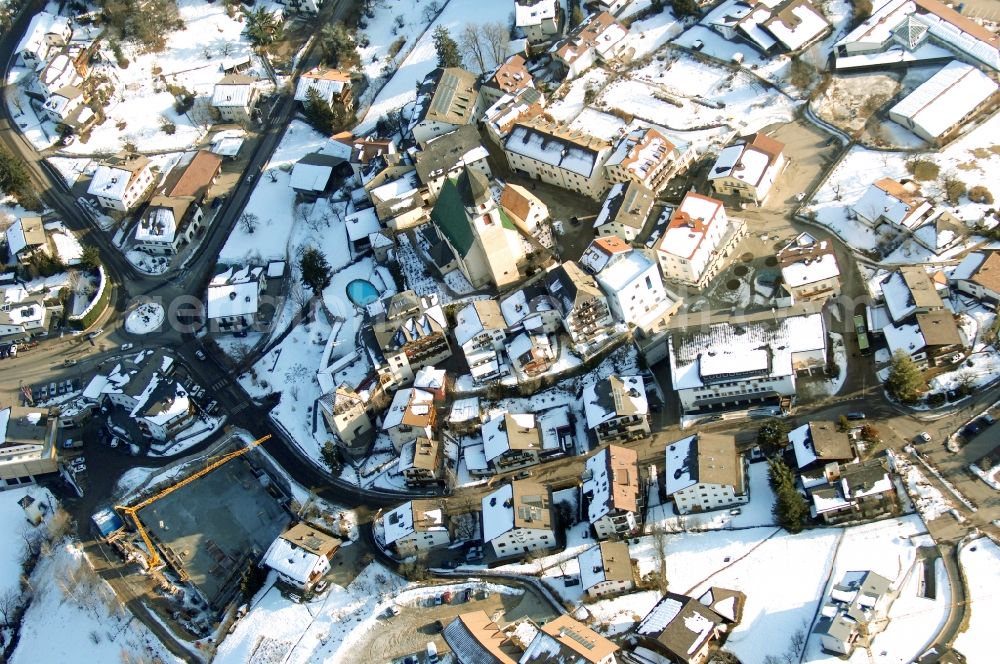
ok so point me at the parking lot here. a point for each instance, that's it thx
(42, 392)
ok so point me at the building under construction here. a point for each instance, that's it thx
(211, 529)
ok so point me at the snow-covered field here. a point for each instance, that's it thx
(16, 528)
(980, 560)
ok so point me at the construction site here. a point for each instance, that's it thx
(207, 527)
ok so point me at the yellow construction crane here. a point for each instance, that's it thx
(153, 558)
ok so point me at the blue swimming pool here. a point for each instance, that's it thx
(362, 292)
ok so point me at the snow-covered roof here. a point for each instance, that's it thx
(310, 177)
(291, 561)
(946, 99)
(361, 224)
(429, 378)
(25, 232)
(806, 260)
(465, 410)
(477, 317)
(611, 481)
(410, 401)
(410, 517)
(533, 12)
(747, 160)
(510, 432)
(796, 25)
(227, 95)
(328, 83)
(908, 289)
(42, 24)
(579, 154)
(159, 225)
(607, 561)
(498, 512)
(111, 181)
(819, 441)
(614, 397)
(724, 351)
(690, 224)
(642, 151)
(235, 292)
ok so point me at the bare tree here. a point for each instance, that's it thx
(298, 295)
(472, 47)
(202, 113)
(497, 38)
(660, 549)
(249, 221)
(10, 602)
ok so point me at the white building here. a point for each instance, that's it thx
(698, 239)
(887, 201)
(537, 19)
(233, 298)
(235, 97)
(121, 184)
(409, 332)
(480, 329)
(600, 38)
(531, 309)
(346, 417)
(61, 71)
(744, 363)
(586, 314)
(631, 281)
(568, 159)
(63, 103)
(606, 569)
(410, 416)
(704, 472)
(939, 107)
(613, 492)
(625, 211)
(331, 85)
(526, 210)
(748, 169)
(510, 109)
(167, 225)
(771, 25)
(856, 612)
(45, 32)
(25, 237)
(978, 275)
(301, 555)
(648, 157)
(617, 409)
(415, 527)
(511, 441)
(517, 519)
(809, 269)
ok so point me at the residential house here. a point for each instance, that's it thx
(68, 68)
(857, 611)
(372, 157)
(978, 275)
(915, 32)
(24, 315)
(233, 298)
(727, 603)
(525, 209)
(681, 628)
(647, 157)
(121, 183)
(475, 638)
(704, 472)
(484, 241)
(64, 103)
(909, 290)
(567, 640)
(301, 556)
(46, 32)
(531, 355)
(28, 446)
(195, 176)
(445, 157)
(446, 100)
(25, 237)
(617, 409)
(697, 240)
(533, 310)
(774, 25)
(518, 519)
(508, 78)
(400, 203)
(421, 462)
(817, 444)
(745, 362)
(410, 416)
(613, 492)
(610, 6)
(415, 527)
(809, 270)
(586, 315)
(631, 281)
(748, 169)
(565, 158)
(346, 417)
(599, 38)
(606, 569)
(480, 330)
(332, 86)
(887, 201)
(434, 381)
(407, 333)
(847, 492)
(933, 339)
(938, 108)
(511, 441)
(538, 20)
(361, 225)
(521, 106)
(167, 225)
(625, 211)
(235, 97)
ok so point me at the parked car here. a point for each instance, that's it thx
(96, 333)
(856, 415)
(212, 407)
(569, 580)
(432, 653)
(127, 346)
(971, 430)
(70, 363)
(200, 354)
(523, 475)
(392, 611)
(923, 437)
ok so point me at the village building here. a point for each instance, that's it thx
(64, 103)
(605, 569)
(234, 297)
(617, 409)
(625, 211)
(887, 201)
(649, 158)
(511, 441)
(856, 612)
(480, 330)
(809, 270)
(564, 639)
(682, 629)
(532, 310)
(772, 26)
(46, 33)
(704, 472)
(586, 315)
(849, 492)
(978, 275)
(411, 416)
(531, 355)
(817, 444)
(538, 20)
(301, 556)
(559, 156)
(697, 240)
(235, 97)
(517, 519)
(940, 106)
(415, 527)
(407, 332)
(599, 38)
(521, 106)
(525, 209)
(332, 85)
(167, 225)
(508, 78)
(26, 237)
(445, 157)
(28, 448)
(446, 100)
(613, 492)
(421, 462)
(748, 169)
(121, 183)
(346, 417)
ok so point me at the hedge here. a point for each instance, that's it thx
(96, 307)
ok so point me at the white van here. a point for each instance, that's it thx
(432, 653)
